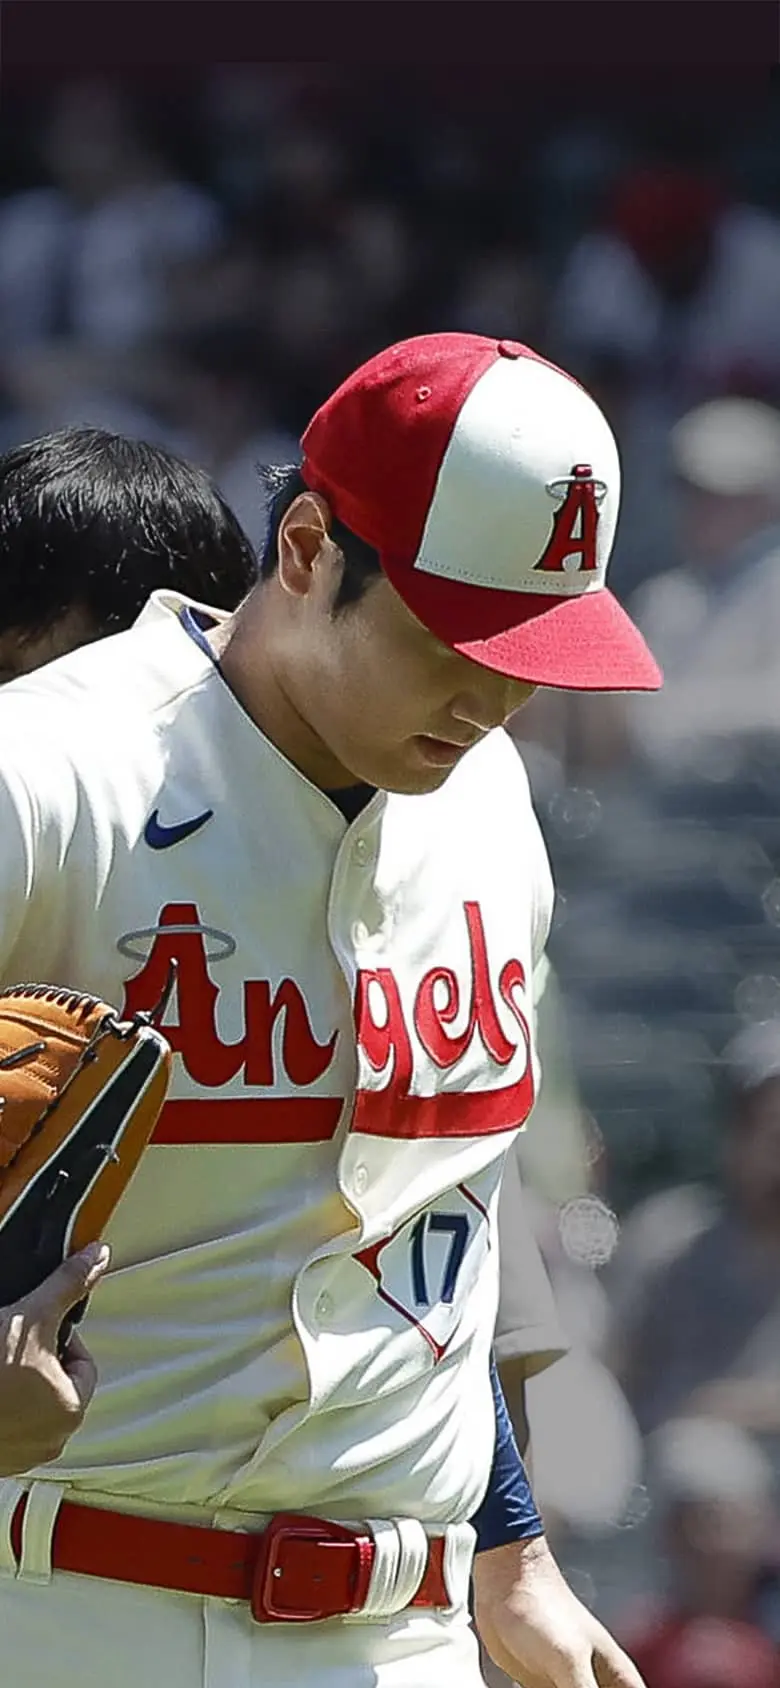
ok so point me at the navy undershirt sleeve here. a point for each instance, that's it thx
(508, 1511)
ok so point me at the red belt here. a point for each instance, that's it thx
(296, 1570)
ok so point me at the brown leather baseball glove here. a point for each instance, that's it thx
(80, 1095)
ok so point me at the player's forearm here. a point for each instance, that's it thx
(508, 1512)
(534, 1627)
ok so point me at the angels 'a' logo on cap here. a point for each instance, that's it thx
(572, 544)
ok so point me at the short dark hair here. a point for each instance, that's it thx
(92, 520)
(361, 562)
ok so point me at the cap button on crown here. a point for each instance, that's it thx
(509, 349)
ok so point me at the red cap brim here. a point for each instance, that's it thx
(584, 643)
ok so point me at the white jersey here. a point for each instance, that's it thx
(304, 1282)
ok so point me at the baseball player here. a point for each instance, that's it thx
(310, 808)
(91, 522)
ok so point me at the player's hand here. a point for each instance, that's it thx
(536, 1629)
(43, 1399)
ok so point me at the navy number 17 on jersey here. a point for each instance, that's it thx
(426, 1268)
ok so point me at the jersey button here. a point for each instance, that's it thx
(360, 1180)
(323, 1306)
(360, 932)
(361, 851)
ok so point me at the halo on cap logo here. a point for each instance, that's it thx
(572, 545)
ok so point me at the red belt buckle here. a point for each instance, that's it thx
(307, 1570)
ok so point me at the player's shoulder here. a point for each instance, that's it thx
(118, 680)
(91, 714)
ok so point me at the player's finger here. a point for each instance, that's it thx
(80, 1369)
(579, 1674)
(74, 1279)
(614, 1669)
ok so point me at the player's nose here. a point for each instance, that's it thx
(488, 700)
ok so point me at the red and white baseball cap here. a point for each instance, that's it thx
(489, 483)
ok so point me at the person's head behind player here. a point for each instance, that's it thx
(439, 554)
(91, 524)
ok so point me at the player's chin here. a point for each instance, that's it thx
(412, 778)
(407, 769)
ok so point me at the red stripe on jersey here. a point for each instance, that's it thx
(250, 1119)
(452, 1113)
(314, 1119)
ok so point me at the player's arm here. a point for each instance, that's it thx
(42, 1398)
(508, 1512)
(508, 1499)
(529, 1620)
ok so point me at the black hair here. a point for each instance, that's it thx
(360, 561)
(92, 520)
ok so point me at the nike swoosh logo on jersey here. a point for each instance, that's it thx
(160, 837)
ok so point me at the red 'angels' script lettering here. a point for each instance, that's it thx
(383, 1034)
(195, 1038)
(574, 525)
(380, 1040)
(430, 1022)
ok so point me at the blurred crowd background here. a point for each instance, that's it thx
(199, 266)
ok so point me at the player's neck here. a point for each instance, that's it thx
(245, 654)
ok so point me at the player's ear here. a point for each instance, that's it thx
(304, 541)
